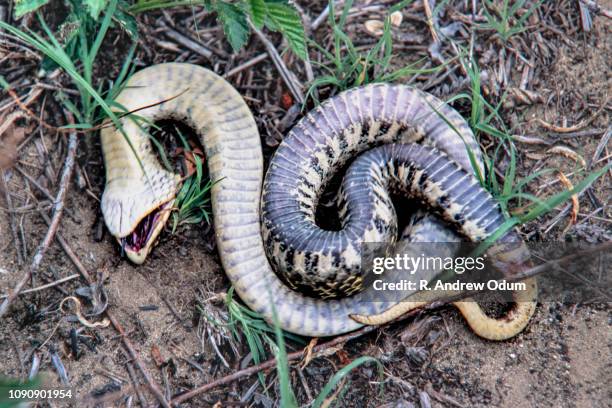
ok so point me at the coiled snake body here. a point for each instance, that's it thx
(139, 194)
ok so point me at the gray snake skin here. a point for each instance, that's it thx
(323, 141)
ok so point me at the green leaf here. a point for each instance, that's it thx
(285, 19)
(257, 11)
(95, 7)
(234, 22)
(127, 22)
(27, 6)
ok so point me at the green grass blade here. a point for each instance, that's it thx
(58, 56)
(343, 372)
(104, 26)
(148, 5)
(282, 365)
(563, 196)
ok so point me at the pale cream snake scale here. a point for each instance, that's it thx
(380, 124)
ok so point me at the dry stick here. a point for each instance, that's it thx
(536, 270)
(430, 22)
(187, 42)
(24, 106)
(13, 226)
(321, 18)
(245, 65)
(271, 363)
(47, 286)
(132, 374)
(126, 342)
(58, 207)
(103, 125)
(45, 192)
(294, 88)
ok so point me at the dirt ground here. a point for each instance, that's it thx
(562, 359)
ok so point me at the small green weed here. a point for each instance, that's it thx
(83, 20)
(78, 61)
(245, 322)
(346, 67)
(504, 18)
(276, 15)
(193, 199)
(288, 399)
(485, 119)
(192, 202)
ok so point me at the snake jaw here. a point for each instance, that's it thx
(139, 243)
(136, 210)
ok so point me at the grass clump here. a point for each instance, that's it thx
(192, 202)
(193, 199)
(287, 395)
(345, 67)
(247, 325)
(77, 55)
(250, 326)
(504, 18)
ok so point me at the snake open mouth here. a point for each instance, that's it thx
(139, 242)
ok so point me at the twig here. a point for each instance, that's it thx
(47, 286)
(271, 363)
(188, 42)
(580, 133)
(24, 106)
(430, 21)
(126, 341)
(58, 207)
(45, 192)
(9, 205)
(245, 65)
(286, 75)
(132, 374)
(321, 18)
(46, 125)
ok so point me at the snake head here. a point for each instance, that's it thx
(136, 209)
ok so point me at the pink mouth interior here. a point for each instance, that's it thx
(141, 235)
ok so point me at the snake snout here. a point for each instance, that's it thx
(135, 211)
